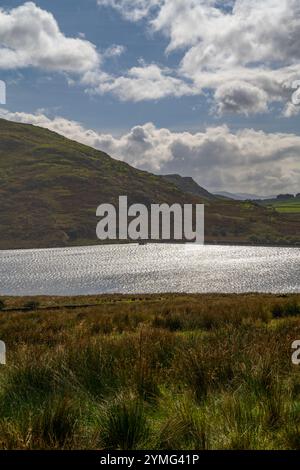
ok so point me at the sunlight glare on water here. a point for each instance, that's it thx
(148, 269)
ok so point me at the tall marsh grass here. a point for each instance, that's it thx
(164, 372)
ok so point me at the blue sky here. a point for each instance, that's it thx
(103, 27)
(180, 87)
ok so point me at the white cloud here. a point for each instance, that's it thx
(148, 82)
(30, 36)
(251, 31)
(240, 97)
(247, 51)
(116, 50)
(133, 10)
(245, 161)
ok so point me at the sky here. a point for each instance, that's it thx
(203, 88)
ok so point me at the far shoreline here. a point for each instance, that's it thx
(145, 243)
(46, 302)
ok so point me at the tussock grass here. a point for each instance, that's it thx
(123, 424)
(164, 372)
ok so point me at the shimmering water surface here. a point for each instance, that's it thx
(149, 268)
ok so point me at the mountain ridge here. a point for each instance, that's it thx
(188, 185)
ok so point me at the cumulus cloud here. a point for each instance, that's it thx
(245, 51)
(116, 50)
(251, 31)
(149, 82)
(133, 10)
(240, 97)
(243, 161)
(30, 37)
(254, 41)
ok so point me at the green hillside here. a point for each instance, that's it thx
(286, 206)
(50, 188)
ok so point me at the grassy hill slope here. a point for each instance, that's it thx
(286, 206)
(50, 188)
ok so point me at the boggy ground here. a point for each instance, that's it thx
(160, 372)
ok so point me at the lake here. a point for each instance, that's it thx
(148, 269)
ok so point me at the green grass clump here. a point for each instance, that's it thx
(123, 423)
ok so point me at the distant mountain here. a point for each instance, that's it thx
(51, 186)
(242, 196)
(189, 185)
